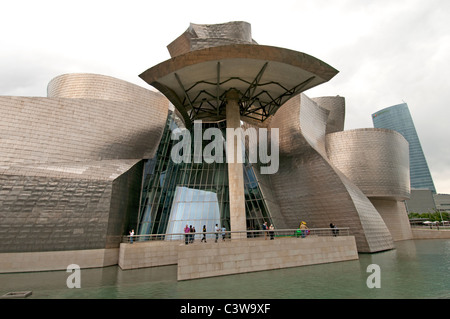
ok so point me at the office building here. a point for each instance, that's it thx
(398, 118)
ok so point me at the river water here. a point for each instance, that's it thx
(415, 269)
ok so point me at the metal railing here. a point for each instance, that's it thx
(189, 238)
(430, 226)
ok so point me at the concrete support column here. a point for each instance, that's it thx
(235, 166)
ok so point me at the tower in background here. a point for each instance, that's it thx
(398, 118)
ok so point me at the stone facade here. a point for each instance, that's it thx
(57, 260)
(237, 256)
(247, 256)
(149, 254)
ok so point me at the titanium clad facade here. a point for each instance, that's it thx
(308, 187)
(71, 163)
(199, 36)
(92, 160)
(377, 162)
(44, 208)
(336, 116)
(398, 118)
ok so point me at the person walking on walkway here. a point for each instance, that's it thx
(265, 228)
(193, 234)
(186, 234)
(131, 236)
(204, 234)
(271, 231)
(217, 229)
(334, 229)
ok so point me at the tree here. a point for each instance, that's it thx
(434, 216)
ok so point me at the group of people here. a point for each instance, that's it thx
(304, 231)
(270, 229)
(189, 232)
(334, 229)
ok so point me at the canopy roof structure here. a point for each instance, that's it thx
(266, 77)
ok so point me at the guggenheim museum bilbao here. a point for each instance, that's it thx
(93, 160)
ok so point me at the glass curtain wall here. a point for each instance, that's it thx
(178, 194)
(398, 118)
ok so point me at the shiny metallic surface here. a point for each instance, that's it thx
(200, 36)
(87, 117)
(309, 188)
(210, 60)
(71, 163)
(375, 160)
(336, 117)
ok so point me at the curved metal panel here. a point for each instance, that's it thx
(308, 187)
(266, 77)
(87, 117)
(336, 117)
(200, 36)
(375, 160)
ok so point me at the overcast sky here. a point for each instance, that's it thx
(387, 51)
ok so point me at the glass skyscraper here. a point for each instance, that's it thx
(398, 118)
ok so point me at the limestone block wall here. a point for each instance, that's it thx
(57, 260)
(199, 261)
(420, 233)
(148, 254)
(237, 256)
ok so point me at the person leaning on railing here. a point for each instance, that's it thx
(303, 229)
(217, 229)
(131, 236)
(271, 231)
